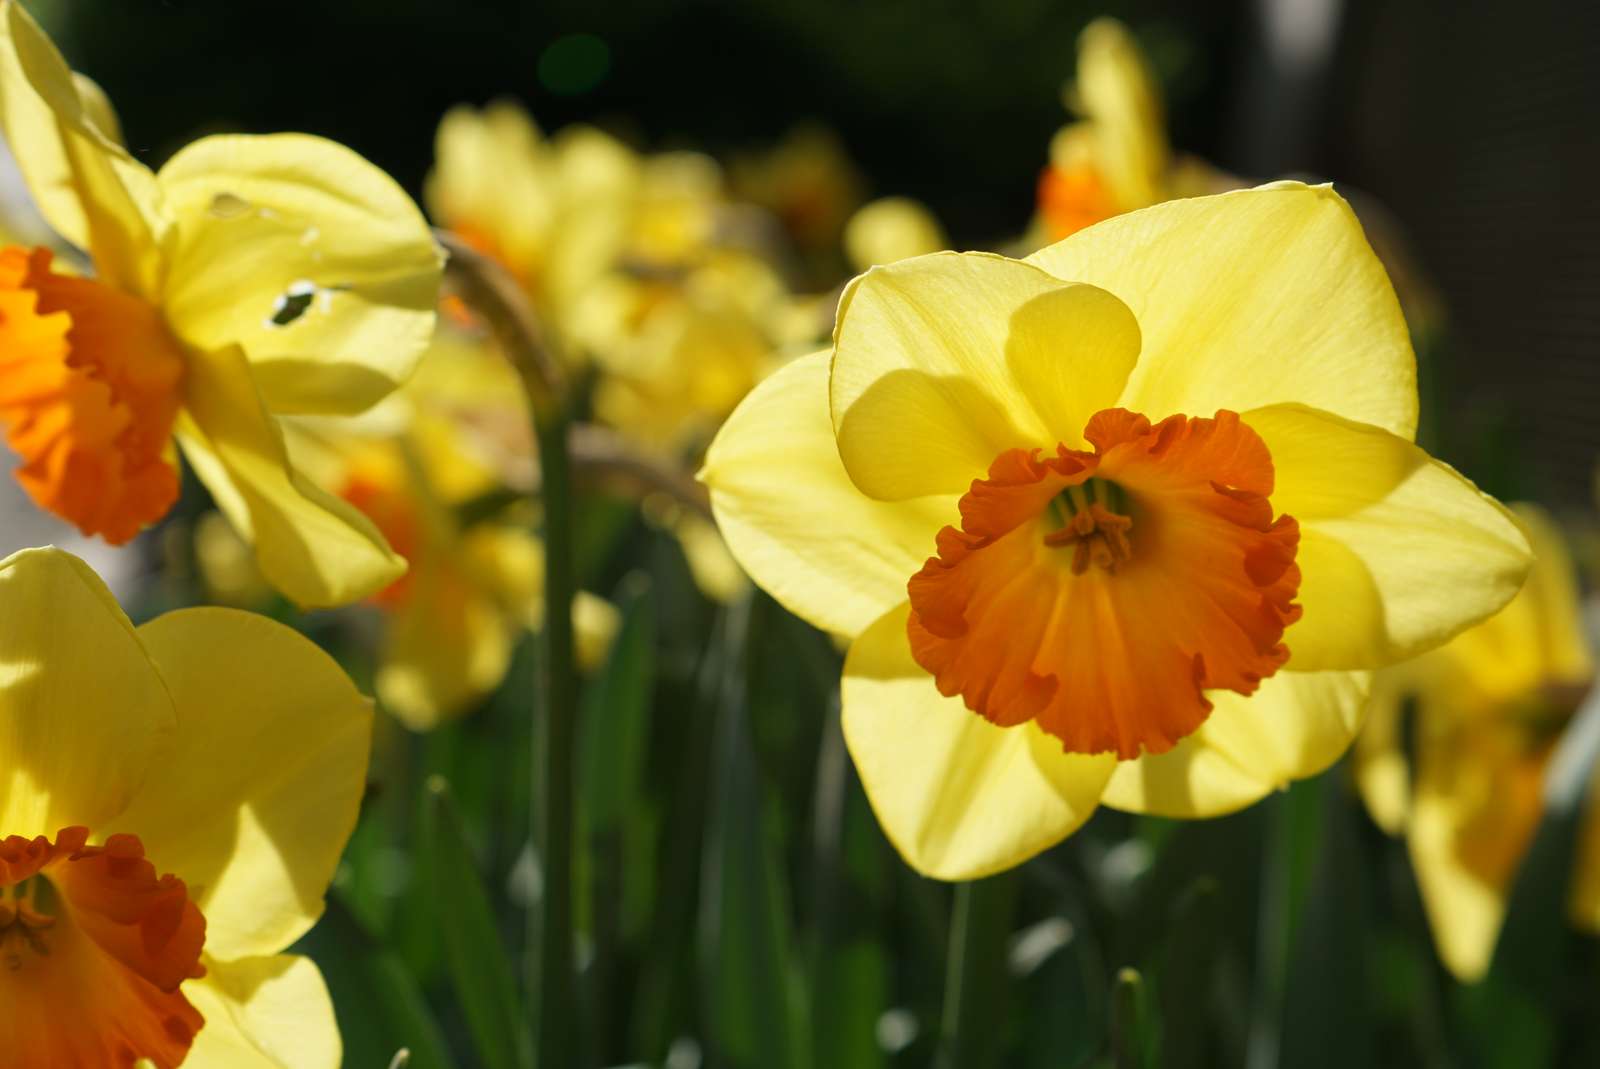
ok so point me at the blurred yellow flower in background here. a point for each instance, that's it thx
(807, 180)
(1116, 158)
(218, 748)
(555, 212)
(1137, 456)
(252, 277)
(890, 229)
(1487, 709)
(429, 471)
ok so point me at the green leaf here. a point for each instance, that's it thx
(976, 983)
(375, 996)
(616, 867)
(1186, 975)
(750, 982)
(474, 948)
(1327, 1004)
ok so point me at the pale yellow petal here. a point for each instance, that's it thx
(92, 192)
(264, 1013)
(1294, 726)
(1382, 771)
(1464, 911)
(1252, 298)
(959, 797)
(315, 548)
(1116, 91)
(1397, 551)
(259, 789)
(308, 256)
(795, 522)
(83, 709)
(943, 362)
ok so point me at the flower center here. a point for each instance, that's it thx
(89, 389)
(94, 949)
(1096, 529)
(1100, 594)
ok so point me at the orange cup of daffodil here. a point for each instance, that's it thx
(1124, 522)
(173, 801)
(250, 278)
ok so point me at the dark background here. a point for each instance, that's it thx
(1476, 124)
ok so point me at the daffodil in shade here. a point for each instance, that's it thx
(250, 278)
(173, 801)
(1116, 157)
(1125, 522)
(427, 469)
(1486, 710)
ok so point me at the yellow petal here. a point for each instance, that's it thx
(259, 788)
(890, 229)
(1382, 772)
(83, 709)
(446, 649)
(1116, 91)
(794, 521)
(1252, 298)
(312, 546)
(92, 192)
(715, 571)
(1294, 726)
(943, 362)
(1397, 551)
(1538, 639)
(264, 1013)
(959, 797)
(1464, 911)
(309, 257)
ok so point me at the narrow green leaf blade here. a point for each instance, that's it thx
(479, 970)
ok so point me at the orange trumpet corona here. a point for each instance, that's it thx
(94, 948)
(1100, 594)
(89, 391)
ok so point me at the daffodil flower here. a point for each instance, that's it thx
(555, 212)
(1489, 707)
(1116, 158)
(250, 278)
(418, 467)
(1126, 521)
(173, 801)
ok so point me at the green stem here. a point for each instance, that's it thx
(975, 972)
(491, 291)
(556, 755)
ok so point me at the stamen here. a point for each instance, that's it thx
(1097, 530)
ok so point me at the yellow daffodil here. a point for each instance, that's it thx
(421, 472)
(173, 801)
(555, 212)
(1076, 511)
(1489, 707)
(890, 229)
(1116, 158)
(251, 277)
